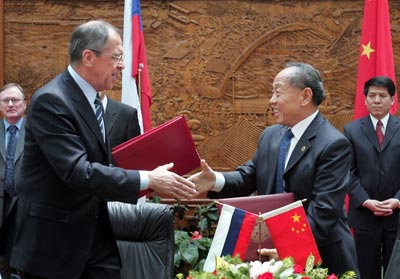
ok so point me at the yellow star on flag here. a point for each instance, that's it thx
(367, 50)
(296, 218)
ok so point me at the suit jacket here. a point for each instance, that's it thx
(121, 122)
(17, 161)
(66, 178)
(374, 171)
(317, 170)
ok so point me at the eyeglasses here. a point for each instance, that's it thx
(117, 58)
(14, 101)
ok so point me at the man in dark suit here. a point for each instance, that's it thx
(318, 163)
(12, 106)
(375, 184)
(121, 120)
(63, 229)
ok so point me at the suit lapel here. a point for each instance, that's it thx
(304, 143)
(368, 129)
(110, 116)
(392, 126)
(20, 143)
(2, 141)
(273, 153)
(84, 109)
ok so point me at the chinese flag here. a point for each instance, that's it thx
(376, 53)
(291, 233)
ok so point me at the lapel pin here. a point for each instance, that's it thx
(303, 148)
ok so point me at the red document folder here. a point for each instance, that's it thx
(259, 204)
(169, 142)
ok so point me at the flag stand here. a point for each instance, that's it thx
(139, 83)
(259, 221)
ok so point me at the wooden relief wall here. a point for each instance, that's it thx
(213, 61)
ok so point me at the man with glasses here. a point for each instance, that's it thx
(12, 134)
(63, 229)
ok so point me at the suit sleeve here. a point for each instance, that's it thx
(356, 190)
(68, 143)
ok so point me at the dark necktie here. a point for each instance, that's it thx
(99, 115)
(379, 133)
(9, 175)
(283, 150)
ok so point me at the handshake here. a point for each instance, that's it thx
(169, 184)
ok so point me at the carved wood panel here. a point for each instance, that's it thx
(213, 61)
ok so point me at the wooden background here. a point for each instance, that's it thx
(213, 61)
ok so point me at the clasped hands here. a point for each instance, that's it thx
(382, 208)
(169, 184)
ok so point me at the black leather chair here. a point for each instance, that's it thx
(145, 238)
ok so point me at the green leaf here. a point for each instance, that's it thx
(189, 252)
(177, 258)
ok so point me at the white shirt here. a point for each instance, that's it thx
(384, 121)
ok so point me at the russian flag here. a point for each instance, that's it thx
(136, 65)
(232, 235)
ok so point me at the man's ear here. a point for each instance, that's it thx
(306, 96)
(88, 57)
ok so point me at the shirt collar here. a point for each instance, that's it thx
(384, 121)
(88, 90)
(18, 124)
(299, 129)
(104, 102)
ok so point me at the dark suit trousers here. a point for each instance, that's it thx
(104, 262)
(374, 248)
(4, 252)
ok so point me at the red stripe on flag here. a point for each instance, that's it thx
(139, 63)
(243, 240)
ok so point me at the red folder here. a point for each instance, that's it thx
(259, 204)
(169, 142)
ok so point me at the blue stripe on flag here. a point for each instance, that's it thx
(136, 11)
(233, 233)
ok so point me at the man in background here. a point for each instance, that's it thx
(375, 183)
(12, 135)
(315, 167)
(63, 229)
(121, 120)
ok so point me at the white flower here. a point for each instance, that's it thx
(255, 269)
(275, 266)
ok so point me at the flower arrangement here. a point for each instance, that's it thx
(233, 268)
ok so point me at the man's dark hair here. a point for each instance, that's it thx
(91, 35)
(306, 75)
(381, 81)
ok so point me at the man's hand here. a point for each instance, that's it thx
(271, 253)
(379, 208)
(204, 180)
(169, 184)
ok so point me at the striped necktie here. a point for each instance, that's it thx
(99, 115)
